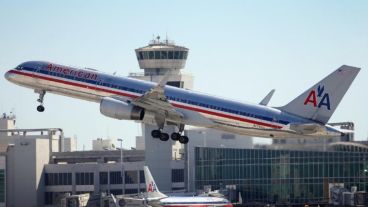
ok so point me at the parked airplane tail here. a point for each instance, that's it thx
(151, 187)
(320, 101)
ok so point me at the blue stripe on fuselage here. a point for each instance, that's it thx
(174, 94)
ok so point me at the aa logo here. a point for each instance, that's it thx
(319, 98)
(151, 187)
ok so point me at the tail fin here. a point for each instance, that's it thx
(151, 187)
(320, 101)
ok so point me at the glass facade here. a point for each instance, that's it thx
(280, 176)
(164, 55)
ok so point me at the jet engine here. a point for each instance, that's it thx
(120, 109)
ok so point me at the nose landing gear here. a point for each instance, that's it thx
(40, 108)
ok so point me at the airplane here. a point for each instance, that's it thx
(156, 198)
(130, 99)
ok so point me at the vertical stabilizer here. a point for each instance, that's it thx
(151, 187)
(320, 101)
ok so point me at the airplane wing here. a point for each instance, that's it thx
(268, 97)
(155, 101)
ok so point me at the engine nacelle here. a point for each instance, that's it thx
(120, 110)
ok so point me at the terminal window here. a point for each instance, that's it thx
(131, 177)
(84, 178)
(177, 175)
(141, 177)
(115, 177)
(2, 186)
(103, 178)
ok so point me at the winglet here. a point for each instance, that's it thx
(267, 98)
(164, 80)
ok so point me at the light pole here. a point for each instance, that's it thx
(121, 162)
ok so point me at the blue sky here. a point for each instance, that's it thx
(238, 49)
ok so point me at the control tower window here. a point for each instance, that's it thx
(181, 55)
(185, 55)
(140, 56)
(157, 54)
(176, 55)
(145, 55)
(163, 54)
(170, 55)
(151, 55)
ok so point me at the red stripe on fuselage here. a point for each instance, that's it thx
(134, 96)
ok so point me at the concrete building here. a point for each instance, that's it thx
(26, 152)
(70, 144)
(3, 179)
(103, 144)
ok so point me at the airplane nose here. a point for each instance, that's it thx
(8, 76)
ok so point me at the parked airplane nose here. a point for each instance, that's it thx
(8, 76)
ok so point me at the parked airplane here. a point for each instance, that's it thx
(131, 99)
(156, 198)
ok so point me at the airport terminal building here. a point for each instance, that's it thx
(283, 177)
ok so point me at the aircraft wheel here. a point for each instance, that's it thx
(156, 133)
(184, 139)
(164, 137)
(40, 108)
(175, 136)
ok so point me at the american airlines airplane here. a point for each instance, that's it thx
(130, 99)
(156, 198)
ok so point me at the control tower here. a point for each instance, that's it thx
(157, 59)
(161, 57)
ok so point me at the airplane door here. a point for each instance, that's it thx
(36, 73)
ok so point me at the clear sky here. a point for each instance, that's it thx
(238, 49)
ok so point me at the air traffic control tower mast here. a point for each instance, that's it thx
(157, 59)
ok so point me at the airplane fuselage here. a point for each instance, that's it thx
(198, 109)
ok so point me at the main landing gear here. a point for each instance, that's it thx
(176, 136)
(40, 108)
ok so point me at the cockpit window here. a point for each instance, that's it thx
(19, 67)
